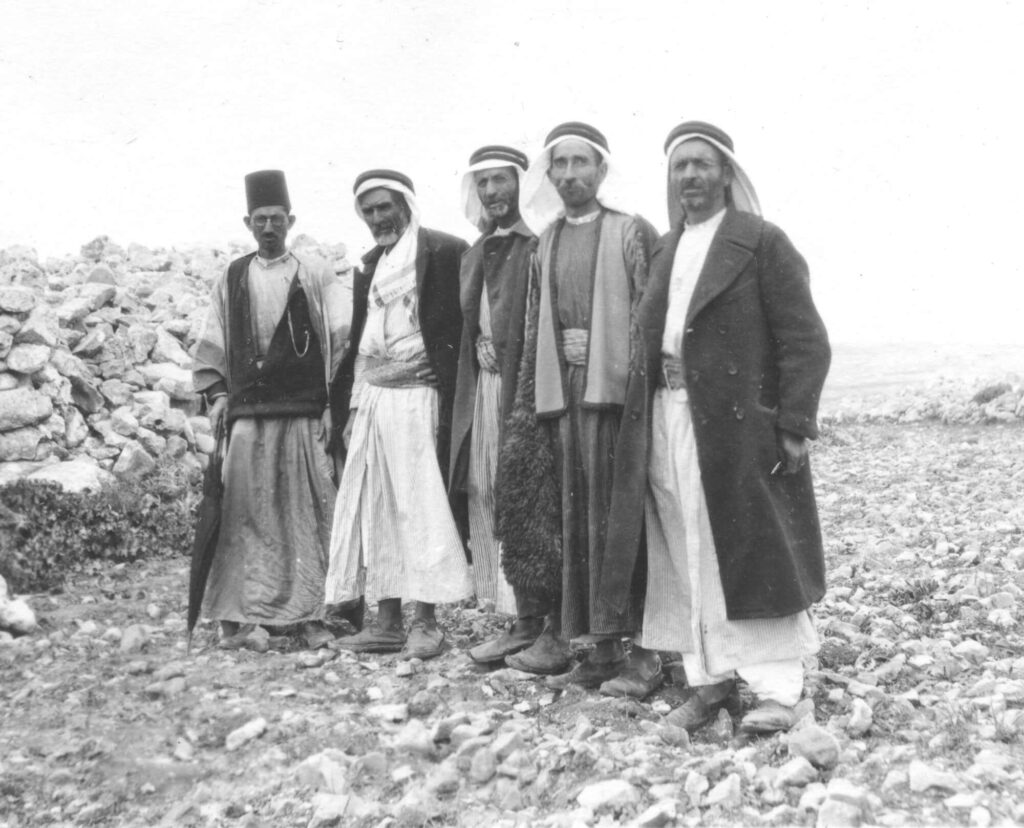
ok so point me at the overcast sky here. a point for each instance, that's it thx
(882, 137)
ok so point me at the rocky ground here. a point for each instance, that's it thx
(915, 705)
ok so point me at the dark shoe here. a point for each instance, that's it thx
(547, 656)
(316, 635)
(372, 640)
(769, 717)
(353, 612)
(423, 642)
(517, 637)
(587, 674)
(703, 706)
(637, 681)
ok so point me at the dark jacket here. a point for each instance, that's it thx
(755, 359)
(513, 271)
(437, 294)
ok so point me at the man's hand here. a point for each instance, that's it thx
(217, 412)
(346, 434)
(427, 375)
(327, 423)
(792, 451)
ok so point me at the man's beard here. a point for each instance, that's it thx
(388, 235)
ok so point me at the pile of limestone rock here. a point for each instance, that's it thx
(95, 358)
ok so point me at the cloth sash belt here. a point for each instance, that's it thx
(574, 345)
(671, 374)
(486, 355)
(390, 373)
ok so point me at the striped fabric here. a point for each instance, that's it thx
(393, 534)
(483, 464)
(685, 610)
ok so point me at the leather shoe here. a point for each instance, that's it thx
(516, 638)
(768, 717)
(547, 656)
(352, 611)
(587, 674)
(423, 642)
(316, 635)
(637, 681)
(373, 639)
(703, 705)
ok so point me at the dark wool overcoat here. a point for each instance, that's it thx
(437, 303)
(515, 251)
(755, 355)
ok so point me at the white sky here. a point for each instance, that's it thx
(881, 136)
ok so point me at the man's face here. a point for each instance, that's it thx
(577, 170)
(385, 214)
(699, 176)
(270, 226)
(498, 189)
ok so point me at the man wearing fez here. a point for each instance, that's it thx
(394, 537)
(591, 264)
(494, 280)
(274, 338)
(728, 367)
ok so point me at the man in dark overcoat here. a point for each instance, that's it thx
(494, 282)
(728, 360)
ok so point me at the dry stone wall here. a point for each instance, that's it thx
(96, 353)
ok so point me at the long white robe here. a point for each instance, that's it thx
(393, 534)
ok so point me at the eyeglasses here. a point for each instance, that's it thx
(277, 222)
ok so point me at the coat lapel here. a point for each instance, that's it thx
(731, 249)
(422, 256)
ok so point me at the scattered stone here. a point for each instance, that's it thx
(16, 616)
(325, 771)
(612, 794)
(27, 359)
(796, 773)
(816, 745)
(727, 794)
(134, 461)
(134, 639)
(922, 777)
(861, 718)
(23, 407)
(246, 733)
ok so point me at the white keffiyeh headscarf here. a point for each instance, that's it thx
(490, 157)
(741, 190)
(541, 203)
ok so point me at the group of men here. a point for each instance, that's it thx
(616, 424)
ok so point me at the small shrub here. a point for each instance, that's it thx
(49, 532)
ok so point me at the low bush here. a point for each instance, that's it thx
(47, 533)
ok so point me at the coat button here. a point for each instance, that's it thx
(722, 329)
(689, 331)
(732, 371)
(739, 413)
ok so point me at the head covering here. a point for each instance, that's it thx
(266, 188)
(744, 197)
(540, 200)
(399, 183)
(388, 180)
(490, 157)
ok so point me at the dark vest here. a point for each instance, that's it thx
(290, 382)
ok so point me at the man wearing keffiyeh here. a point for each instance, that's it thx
(729, 359)
(590, 265)
(495, 274)
(394, 537)
(271, 347)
